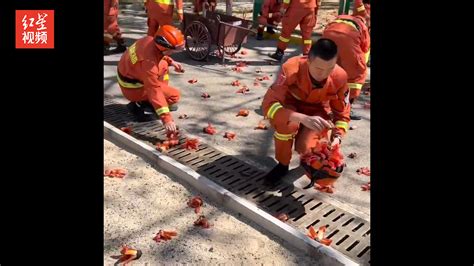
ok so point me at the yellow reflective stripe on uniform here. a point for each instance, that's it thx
(342, 124)
(286, 1)
(128, 85)
(361, 8)
(367, 55)
(308, 42)
(355, 86)
(132, 52)
(165, 2)
(283, 39)
(166, 77)
(162, 110)
(180, 11)
(346, 22)
(273, 109)
(283, 136)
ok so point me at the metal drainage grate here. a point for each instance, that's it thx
(350, 234)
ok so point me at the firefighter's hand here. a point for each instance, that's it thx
(170, 127)
(177, 67)
(316, 123)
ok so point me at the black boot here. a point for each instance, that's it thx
(355, 116)
(259, 36)
(278, 55)
(107, 50)
(173, 107)
(141, 111)
(270, 30)
(120, 49)
(146, 107)
(275, 175)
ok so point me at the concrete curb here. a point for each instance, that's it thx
(326, 255)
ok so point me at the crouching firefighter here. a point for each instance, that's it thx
(310, 95)
(142, 75)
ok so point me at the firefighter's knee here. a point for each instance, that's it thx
(305, 140)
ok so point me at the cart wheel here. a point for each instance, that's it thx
(232, 49)
(198, 40)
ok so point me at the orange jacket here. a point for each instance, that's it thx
(270, 7)
(293, 92)
(145, 63)
(299, 4)
(353, 26)
(166, 7)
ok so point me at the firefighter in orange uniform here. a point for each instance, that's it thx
(362, 8)
(270, 15)
(309, 96)
(111, 27)
(142, 75)
(296, 12)
(160, 12)
(351, 35)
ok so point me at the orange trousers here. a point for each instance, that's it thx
(111, 21)
(304, 138)
(172, 95)
(306, 18)
(111, 27)
(158, 17)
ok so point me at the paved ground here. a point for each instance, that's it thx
(145, 201)
(252, 146)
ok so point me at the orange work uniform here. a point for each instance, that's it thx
(300, 12)
(352, 38)
(111, 26)
(143, 76)
(160, 12)
(270, 14)
(294, 92)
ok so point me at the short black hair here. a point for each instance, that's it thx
(325, 49)
(366, 1)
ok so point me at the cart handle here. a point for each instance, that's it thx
(234, 26)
